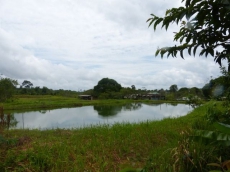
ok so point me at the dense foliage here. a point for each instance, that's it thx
(205, 25)
(27, 84)
(7, 88)
(218, 87)
(173, 88)
(106, 86)
(46, 91)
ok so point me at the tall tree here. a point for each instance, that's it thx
(107, 85)
(173, 88)
(133, 87)
(205, 25)
(27, 84)
(7, 88)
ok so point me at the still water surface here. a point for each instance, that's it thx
(93, 115)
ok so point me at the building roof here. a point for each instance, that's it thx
(153, 92)
(84, 95)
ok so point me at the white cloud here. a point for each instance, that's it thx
(73, 44)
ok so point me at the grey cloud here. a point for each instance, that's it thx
(73, 44)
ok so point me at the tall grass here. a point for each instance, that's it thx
(97, 148)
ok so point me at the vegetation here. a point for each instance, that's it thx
(45, 91)
(7, 88)
(97, 148)
(108, 89)
(27, 84)
(218, 87)
(105, 88)
(173, 88)
(204, 26)
(148, 146)
(25, 102)
(49, 101)
(197, 142)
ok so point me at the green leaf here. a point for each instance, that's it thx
(218, 60)
(166, 26)
(188, 38)
(157, 52)
(211, 51)
(207, 28)
(187, 3)
(157, 22)
(181, 54)
(194, 49)
(214, 164)
(152, 20)
(211, 137)
(202, 52)
(182, 14)
(189, 50)
(170, 53)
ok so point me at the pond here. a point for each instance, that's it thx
(93, 115)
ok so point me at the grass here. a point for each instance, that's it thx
(100, 148)
(96, 148)
(48, 101)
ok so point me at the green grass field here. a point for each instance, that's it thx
(97, 148)
(46, 101)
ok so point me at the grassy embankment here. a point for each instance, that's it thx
(99, 148)
(38, 101)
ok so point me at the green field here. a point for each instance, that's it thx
(47, 101)
(97, 148)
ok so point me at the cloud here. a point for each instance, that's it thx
(73, 44)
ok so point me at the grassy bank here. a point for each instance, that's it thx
(96, 148)
(46, 101)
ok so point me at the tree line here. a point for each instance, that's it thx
(10, 87)
(110, 89)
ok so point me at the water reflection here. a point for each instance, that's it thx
(7, 120)
(92, 115)
(132, 106)
(107, 111)
(43, 111)
(173, 104)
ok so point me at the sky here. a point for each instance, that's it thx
(72, 44)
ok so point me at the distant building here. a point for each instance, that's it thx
(155, 96)
(185, 98)
(85, 97)
(150, 96)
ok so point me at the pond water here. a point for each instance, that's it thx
(92, 115)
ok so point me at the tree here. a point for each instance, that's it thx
(183, 92)
(107, 85)
(37, 90)
(7, 88)
(218, 87)
(27, 84)
(45, 90)
(204, 25)
(133, 87)
(173, 88)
